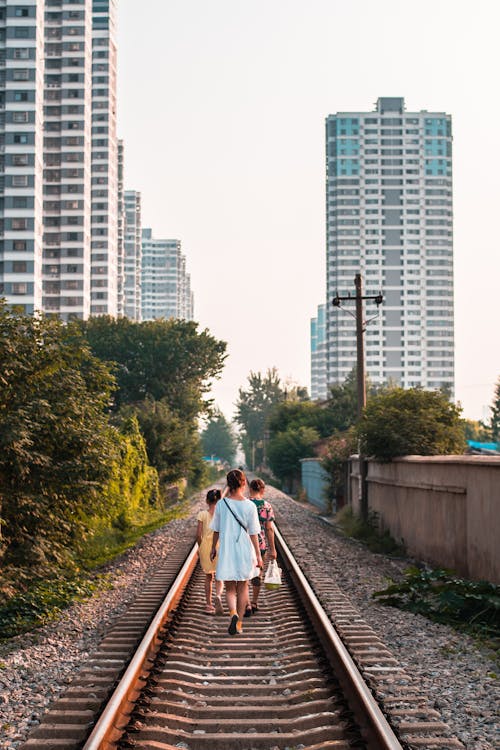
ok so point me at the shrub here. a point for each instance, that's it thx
(399, 422)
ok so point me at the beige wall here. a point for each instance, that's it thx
(445, 509)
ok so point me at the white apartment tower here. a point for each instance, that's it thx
(389, 217)
(21, 163)
(104, 217)
(132, 262)
(166, 287)
(121, 231)
(67, 158)
(59, 188)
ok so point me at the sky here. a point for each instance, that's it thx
(222, 105)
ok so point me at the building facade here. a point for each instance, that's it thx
(389, 217)
(58, 186)
(120, 262)
(22, 65)
(132, 260)
(67, 158)
(166, 287)
(318, 355)
(104, 210)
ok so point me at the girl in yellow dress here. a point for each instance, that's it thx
(204, 535)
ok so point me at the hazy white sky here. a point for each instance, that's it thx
(222, 107)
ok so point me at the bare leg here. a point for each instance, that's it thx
(242, 597)
(231, 596)
(208, 588)
(219, 586)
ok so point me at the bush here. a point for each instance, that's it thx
(473, 606)
(367, 532)
(399, 422)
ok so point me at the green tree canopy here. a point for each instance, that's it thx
(218, 439)
(476, 430)
(56, 446)
(172, 443)
(167, 360)
(287, 448)
(253, 409)
(399, 422)
(495, 414)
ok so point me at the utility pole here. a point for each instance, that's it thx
(361, 325)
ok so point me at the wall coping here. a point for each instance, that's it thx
(465, 459)
(459, 459)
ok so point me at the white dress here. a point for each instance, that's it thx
(236, 552)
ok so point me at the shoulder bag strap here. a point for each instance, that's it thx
(234, 514)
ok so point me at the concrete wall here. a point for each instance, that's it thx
(314, 480)
(445, 509)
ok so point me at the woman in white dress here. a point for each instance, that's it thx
(236, 527)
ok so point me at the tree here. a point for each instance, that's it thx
(218, 439)
(56, 444)
(285, 451)
(334, 460)
(253, 410)
(495, 414)
(476, 430)
(399, 422)
(163, 370)
(171, 442)
(167, 360)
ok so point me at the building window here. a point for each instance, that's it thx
(21, 53)
(19, 245)
(20, 74)
(20, 116)
(19, 266)
(19, 224)
(19, 288)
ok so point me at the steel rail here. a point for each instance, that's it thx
(374, 726)
(108, 728)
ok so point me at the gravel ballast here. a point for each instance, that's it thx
(457, 676)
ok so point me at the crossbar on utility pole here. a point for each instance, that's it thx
(361, 324)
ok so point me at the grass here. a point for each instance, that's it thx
(43, 600)
(367, 532)
(108, 543)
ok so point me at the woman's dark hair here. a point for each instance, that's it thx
(235, 479)
(257, 485)
(213, 496)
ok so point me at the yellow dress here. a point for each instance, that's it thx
(205, 548)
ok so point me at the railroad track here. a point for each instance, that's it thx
(286, 682)
(168, 676)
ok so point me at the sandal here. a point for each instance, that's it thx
(255, 608)
(233, 629)
(219, 610)
(209, 610)
(248, 611)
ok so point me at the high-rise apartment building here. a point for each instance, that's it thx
(58, 193)
(132, 262)
(318, 355)
(166, 287)
(120, 262)
(22, 61)
(389, 217)
(67, 158)
(104, 216)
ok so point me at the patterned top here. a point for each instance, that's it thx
(266, 513)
